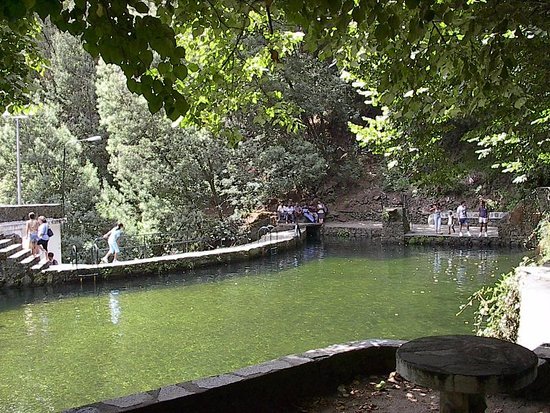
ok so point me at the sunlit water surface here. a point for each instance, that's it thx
(68, 347)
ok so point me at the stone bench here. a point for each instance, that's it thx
(466, 368)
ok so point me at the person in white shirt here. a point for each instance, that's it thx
(462, 214)
(112, 239)
(43, 234)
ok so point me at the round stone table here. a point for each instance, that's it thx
(466, 368)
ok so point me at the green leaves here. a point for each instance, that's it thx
(412, 4)
(473, 58)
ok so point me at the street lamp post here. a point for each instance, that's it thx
(17, 152)
(90, 139)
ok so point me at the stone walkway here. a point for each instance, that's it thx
(429, 231)
(196, 258)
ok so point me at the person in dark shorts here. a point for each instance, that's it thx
(483, 218)
(43, 236)
(462, 216)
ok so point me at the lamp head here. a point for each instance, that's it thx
(91, 139)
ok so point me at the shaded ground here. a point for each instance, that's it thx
(393, 394)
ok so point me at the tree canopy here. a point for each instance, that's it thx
(474, 69)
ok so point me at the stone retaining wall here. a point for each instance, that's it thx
(162, 265)
(10, 213)
(351, 232)
(265, 387)
(458, 242)
(275, 386)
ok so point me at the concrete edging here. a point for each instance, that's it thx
(263, 387)
(275, 384)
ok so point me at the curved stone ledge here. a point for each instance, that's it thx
(263, 387)
(67, 273)
(276, 384)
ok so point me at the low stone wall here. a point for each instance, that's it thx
(275, 386)
(352, 232)
(265, 387)
(10, 213)
(163, 265)
(469, 242)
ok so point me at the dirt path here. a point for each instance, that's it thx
(393, 394)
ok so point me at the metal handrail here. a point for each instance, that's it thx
(74, 255)
(95, 252)
(140, 247)
(266, 230)
(146, 245)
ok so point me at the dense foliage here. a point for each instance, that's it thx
(155, 175)
(497, 312)
(210, 109)
(454, 74)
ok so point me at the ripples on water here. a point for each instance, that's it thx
(72, 345)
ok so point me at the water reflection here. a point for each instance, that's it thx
(138, 334)
(114, 306)
(448, 262)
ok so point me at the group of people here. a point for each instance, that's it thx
(291, 214)
(462, 216)
(38, 234)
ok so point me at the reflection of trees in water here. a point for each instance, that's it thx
(463, 265)
(458, 265)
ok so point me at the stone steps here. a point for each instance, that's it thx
(10, 250)
(18, 266)
(40, 265)
(30, 261)
(5, 242)
(19, 255)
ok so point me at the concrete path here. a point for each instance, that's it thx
(534, 326)
(427, 230)
(266, 240)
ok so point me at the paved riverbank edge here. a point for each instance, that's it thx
(66, 273)
(419, 234)
(270, 386)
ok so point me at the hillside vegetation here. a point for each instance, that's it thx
(209, 112)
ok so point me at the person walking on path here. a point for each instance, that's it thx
(483, 218)
(436, 209)
(31, 233)
(112, 238)
(462, 214)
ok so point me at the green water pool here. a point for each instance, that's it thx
(66, 347)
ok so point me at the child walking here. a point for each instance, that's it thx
(112, 239)
(451, 222)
